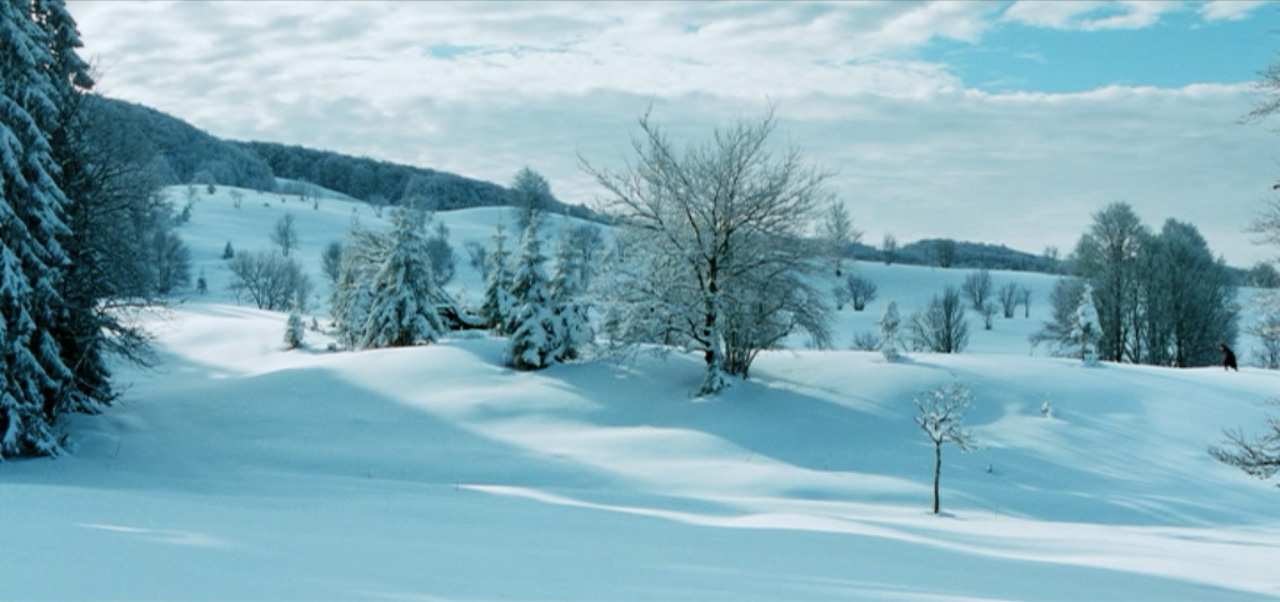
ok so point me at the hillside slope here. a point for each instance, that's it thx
(238, 470)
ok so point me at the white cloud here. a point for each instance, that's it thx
(1231, 10)
(1091, 15)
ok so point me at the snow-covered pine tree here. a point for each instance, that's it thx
(498, 310)
(35, 380)
(1085, 330)
(403, 312)
(567, 289)
(295, 329)
(889, 322)
(533, 340)
(352, 294)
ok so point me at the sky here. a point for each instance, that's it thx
(1000, 122)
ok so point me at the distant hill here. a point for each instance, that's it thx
(959, 254)
(185, 154)
(384, 182)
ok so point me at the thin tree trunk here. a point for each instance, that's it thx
(937, 474)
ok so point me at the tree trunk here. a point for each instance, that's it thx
(937, 474)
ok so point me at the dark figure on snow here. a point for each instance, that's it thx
(1228, 358)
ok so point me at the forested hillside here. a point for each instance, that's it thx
(183, 153)
(960, 254)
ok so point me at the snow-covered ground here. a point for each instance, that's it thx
(236, 470)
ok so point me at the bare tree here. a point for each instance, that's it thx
(285, 234)
(271, 281)
(977, 288)
(331, 260)
(940, 414)
(1257, 456)
(1008, 296)
(379, 202)
(890, 249)
(477, 257)
(942, 327)
(837, 233)
(1064, 300)
(860, 291)
(1024, 298)
(988, 313)
(720, 270)
(1266, 329)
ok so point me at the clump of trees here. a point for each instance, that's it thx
(545, 315)
(710, 258)
(85, 233)
(269, 280)
(386, 293)
(1161, 298)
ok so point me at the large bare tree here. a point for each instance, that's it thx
(715, 261)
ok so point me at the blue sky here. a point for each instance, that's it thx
(1179, 50)
(1000, 122)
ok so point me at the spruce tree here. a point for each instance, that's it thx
(403, 311)
(497, 309)
(36, 381)
(1085, 330)
(572, 326)
(533, 339)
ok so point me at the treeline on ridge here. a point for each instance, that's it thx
(184, 154)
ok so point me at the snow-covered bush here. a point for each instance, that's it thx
(866, 341)
(294, 330)
(860, 292)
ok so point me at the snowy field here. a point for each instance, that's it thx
(236, 470)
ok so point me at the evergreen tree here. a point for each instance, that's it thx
(295, 330)
(36, 383)
(498, 309)
(535, 334)
(403, 311)
(1085, 330)
(352, 295)
(573, 325)
(889, 322)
